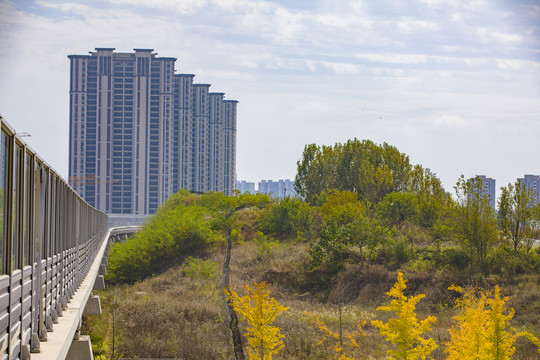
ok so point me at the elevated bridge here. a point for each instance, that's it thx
(53, 253)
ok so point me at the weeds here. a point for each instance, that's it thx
(179, 314)
(200, 269)
(265, 244)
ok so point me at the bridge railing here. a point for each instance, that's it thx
(49, 239)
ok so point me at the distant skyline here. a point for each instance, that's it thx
(453, 84)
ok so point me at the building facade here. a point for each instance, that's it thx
(139, 132)
(532, 182)
(489, 189)
(280, 189)
(244, 186)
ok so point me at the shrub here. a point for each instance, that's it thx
(200, 269)
(173, 232)
(277, 219)
(505, 261)
(330, 252)
(457, 258)
(265, 244)
(401, 251)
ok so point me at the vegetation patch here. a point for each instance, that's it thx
(331, 258)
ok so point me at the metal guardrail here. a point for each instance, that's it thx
(50, 240)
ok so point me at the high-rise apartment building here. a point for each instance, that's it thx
(280, 189)
(139, 132)
(488, 189)
(244, 186)
(532, 182)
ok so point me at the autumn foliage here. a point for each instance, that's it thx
(259, 310)
(339, 340)
(482, 329)
(405, 330)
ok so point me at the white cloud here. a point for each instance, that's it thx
(508, 64)
(78, 9)
(313, 66)
(409, 25)
(487, 34)
(394, 58)
(321, 72)
(451, 121)
(181, 6)
(341, 68)
(343, 21)
(228, 75)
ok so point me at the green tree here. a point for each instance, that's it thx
(307, 222)
(535, 229)
(332, 198)
(341, 212)
(374, 182)
(277, 218)
(516, 205)
(396, 208)
(362, 167)
(424, 183)
(315, 172)
(430, 194)
(346, 226)
(330, 251)
(475, 221)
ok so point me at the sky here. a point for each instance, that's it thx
(453, 84)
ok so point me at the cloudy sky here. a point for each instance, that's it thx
(454, 84)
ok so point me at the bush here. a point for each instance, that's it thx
(401, 251)
(200, 269)
(456, 257)
(173, 232)
(277, 219)
(505, 261)
(264, 244)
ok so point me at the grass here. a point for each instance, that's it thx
(177, 316)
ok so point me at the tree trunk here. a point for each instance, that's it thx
(232, 318)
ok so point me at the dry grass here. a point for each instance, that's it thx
(173, 316)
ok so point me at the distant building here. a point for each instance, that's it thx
(532, 182)
(489, 189)
(139, 132)
(245, 187)
(280, 188)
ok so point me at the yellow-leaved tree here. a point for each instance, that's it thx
(469, 338)
(338, 339)
(259, 310)
(482, 329)
(405, 330)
